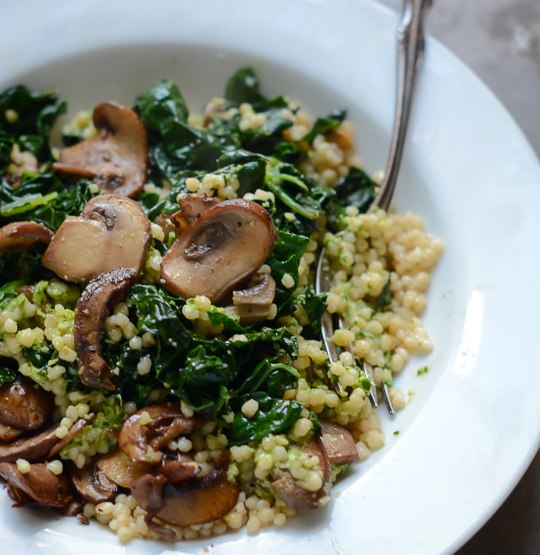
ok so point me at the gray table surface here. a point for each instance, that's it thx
(500, 41)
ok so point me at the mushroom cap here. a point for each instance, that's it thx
(22, 235)
(116, 157)
(39, 485)
(40, 446)
(92, 484)
(194, 501)
(91, 310)
(300, 499)
(143, 442)
(120, 469)
(111, 232)
(338, 443)
(218, 250)
(24, 406)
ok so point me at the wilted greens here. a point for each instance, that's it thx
(213, 373)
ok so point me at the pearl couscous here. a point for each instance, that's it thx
(158, 318)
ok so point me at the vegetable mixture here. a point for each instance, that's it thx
(161, 365)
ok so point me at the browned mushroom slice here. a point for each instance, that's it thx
(40, 446)
(39, 485)
(69, 437)
(112, 232)
(255, 303)
(24, 406)
(142, 441)
(191, 208)
(195, 501)
(93, 485)
(9, 434)
(92, 308)
(338, 444)
(300, 499)
(22, 235)
(116, 157)
(33, 448)
(120, 469)
(261, 293)
(180, 468)
(219, 250)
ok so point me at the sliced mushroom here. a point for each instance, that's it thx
(40, 446)
(120, 469)
(338, 443)
(195, 501)
(92, 308)
(24, 406)
(116, 157)
(8, 434)
(219, 250)
(39, 485)
(261, 293)
(191, 208)
(22, 235)
(34, 448)
(112, 232)
(180, 468)
(143, 442)
(92, 484)
(300, 499)
(254, 304)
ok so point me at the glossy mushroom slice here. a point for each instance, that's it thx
(148, 430)
(254, 304)
(116, 157)
(9, 434)
(112, 232)
(338, 444)
(40, 446)
(191, 208)
(287, 489)
(92, 308)
(194, 501)
(120, 469)
(25, 406)
(219, 250)
(22, 235)
(39, 485)
(92, 484)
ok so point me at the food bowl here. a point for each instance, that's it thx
(456, 451)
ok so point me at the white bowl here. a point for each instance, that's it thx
(475, 422)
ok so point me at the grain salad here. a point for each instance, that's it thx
(161, 363)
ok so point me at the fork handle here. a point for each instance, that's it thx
(410, 44)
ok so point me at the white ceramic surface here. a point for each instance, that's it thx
(475, 422)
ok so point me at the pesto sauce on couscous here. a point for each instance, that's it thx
(251, 392)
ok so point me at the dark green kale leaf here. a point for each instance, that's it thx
(314, 305)
(285, 259)
(243, 86)
(160, 314)
(273, 417)
(325, 125)
(35, 114)
(43, 198)
(354, 189)
(9, 290)
(175, 146)
(8, 371)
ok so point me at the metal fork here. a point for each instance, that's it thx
(410, 50)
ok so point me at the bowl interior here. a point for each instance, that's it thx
(121, 72)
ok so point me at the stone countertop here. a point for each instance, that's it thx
(500, 41)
